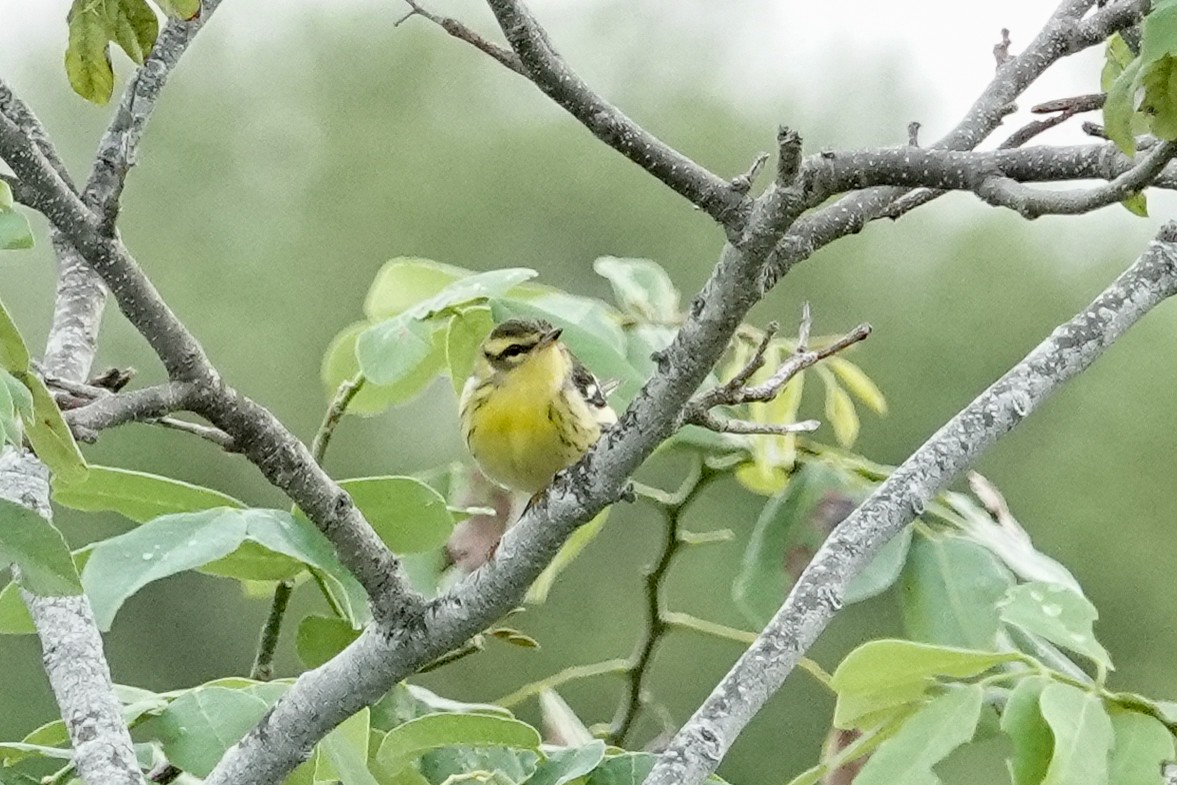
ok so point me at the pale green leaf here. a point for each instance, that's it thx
(927, 737)
(1083, 736)
(405, 282)
(340, 365)
(122, 565)
(320, 638)
(1120, 105)
(390, 351)
(1057, 613)
(50, 436)
(33, 544)
(136, 495)
(841, 414)
(1137, 204)
(199, 726)
(14, 355)
(406, 742)
(568, 764)
(15, 233)
(949, 591)
(641, 287)
(409, 516)
(882, 571)
(1022, 721)
(1142, 745)
(465, 333)
(343, 754)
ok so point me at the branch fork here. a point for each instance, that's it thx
(737, 390)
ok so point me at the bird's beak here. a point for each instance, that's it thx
(549, 338)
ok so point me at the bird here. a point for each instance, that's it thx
(530, 408)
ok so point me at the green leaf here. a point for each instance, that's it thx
(882, 571)
(251, 562)
(320, 638)
(133, 26)
(495, 765)
(14, 355)
(629, 768)
(409, 741)
(9, 747)
(1058, 614)
(565, 765)
(122, 565)
(572, 547)
(136, 495)
(15, 233)
(343, 754)
(14, 615)
(409, 516)
(841, 413)
(198, 727)
(858, 383)
(925, 739)
(879, 672)
(180, 9)
(6, 201)
(1032, 740)
(586, 338)
(465, 333)
(87, 58)
(790, 528)
(1158, 32)
(1137, 204)
(641, 287)
(473, 289)
(390, 351)
(1160, 97)
(406, 281)
(1082, 736)
(51, 438)
(1120, 105)
(33, 544)
(1117, 56)
(11, 431)
(340, 365)
(1142, 745)
(949, 590)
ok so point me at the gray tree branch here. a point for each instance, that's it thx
(546, 68)
(255, 432)
(699, 746)
(72, 652)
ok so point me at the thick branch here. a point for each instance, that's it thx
(817, 595)
(72, 652)
(112, 410)
(547, 69)
(282, 458)
(81, 296)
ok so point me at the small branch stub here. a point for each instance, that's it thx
(737, 390)
(789, 155)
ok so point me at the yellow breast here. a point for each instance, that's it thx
(526, 429)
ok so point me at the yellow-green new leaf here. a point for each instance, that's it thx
(87, 58)
(181, 9)
(14, 355)
(842, 415)
(858, 384)
(133, 26)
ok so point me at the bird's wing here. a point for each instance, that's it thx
(588, 386)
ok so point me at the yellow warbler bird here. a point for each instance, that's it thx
(530, 408)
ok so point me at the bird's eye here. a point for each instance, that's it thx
(514, 350)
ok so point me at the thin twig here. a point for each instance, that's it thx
(267, 647)
(461, 32)
(206, 432)
(656, 625)
(574, 673)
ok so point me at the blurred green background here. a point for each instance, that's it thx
(279, 174)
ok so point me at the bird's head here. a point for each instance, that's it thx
(515, 341)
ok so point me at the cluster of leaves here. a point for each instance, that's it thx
(94, 24)
(1140, 79)
(410, 737)
(989, 620)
